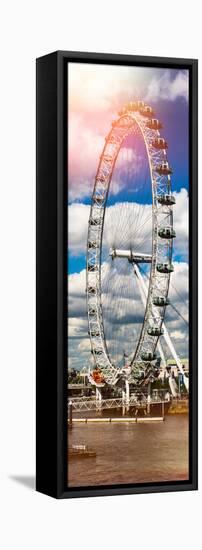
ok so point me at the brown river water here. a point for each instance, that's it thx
(131, 453)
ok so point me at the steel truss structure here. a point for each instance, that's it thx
(92, 405)
(136, 117)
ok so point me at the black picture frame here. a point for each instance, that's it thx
(51, 239)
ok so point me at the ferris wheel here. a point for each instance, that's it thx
(135, 119)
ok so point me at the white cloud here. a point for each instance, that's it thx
(77, 295)
(181, 223)
(168, 88)
(84, 345)
(85, 145)
(177, 335)
(77, 327)
(77, 283)
(179, 281)
(104, 87)
(78, 215)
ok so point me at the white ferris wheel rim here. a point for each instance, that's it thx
(125, 125)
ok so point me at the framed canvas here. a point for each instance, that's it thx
(116, 274)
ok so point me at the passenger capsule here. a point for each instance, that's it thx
(154, 124)
(165, 268)
(96, 351)
(148, 356)
(94, 333)
(164, 169)
(159, 143)
(155, 331)
(166, 199)
(132, 106)
(140, 105)
(147, 111)
(160, 301)
(167, 233)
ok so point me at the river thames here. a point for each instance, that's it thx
(131, 453)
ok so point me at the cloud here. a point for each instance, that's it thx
(177, 335)
(103, 88)
(77, 327)
(85, 145)
(78, 215)
(168, 88)
(84, 345)
(77, 284)
(179, 281)
(77, 295)
(181, 224)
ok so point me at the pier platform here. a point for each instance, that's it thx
(122, 420)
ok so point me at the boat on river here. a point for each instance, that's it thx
(81, 451)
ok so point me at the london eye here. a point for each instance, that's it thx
(127, 248)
